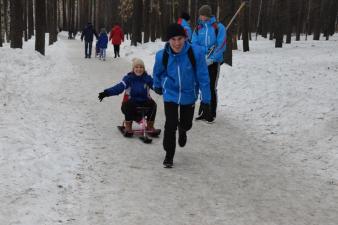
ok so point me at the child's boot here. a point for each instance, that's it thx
(128, 131)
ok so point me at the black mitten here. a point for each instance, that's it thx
(158, 91)
(102, 95)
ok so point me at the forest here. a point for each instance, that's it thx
(146, 20)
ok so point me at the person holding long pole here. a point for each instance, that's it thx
(211, 36)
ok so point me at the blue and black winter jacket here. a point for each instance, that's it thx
(136, 87)
(205, 36)
(103, 40)
(181, 81)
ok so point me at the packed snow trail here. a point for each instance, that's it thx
(227, 174)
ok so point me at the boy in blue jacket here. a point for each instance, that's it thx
(136, 85)
(180, 71)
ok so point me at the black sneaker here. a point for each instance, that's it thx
(168, 162)
(182, 137)
(212, 120)
(200, 118)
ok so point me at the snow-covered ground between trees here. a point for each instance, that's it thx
(271, 158)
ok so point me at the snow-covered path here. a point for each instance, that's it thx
(64, 162)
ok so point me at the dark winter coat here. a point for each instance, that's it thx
(136, 87)
(103, 40)
(88, 33)
(180, 81)
(116, 35)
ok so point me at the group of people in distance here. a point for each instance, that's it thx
(188, 64)
(116, 37)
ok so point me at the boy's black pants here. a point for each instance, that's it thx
(213, 76)
(129, 109)
(176, 116)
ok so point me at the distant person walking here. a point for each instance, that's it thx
(117, 37)
(87, 34)
(102, 43)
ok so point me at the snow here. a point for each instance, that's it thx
(270, 158)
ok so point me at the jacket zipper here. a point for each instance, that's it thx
(179, 80)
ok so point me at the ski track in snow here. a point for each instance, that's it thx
(270, 158)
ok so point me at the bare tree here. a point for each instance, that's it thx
(317, 7)
(280, 9)
(16, 23)
(137, 23)
(40, 12)
(245, 26)
(0, 23)
(30, 18)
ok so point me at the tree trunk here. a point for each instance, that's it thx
(146, 16)
(1, 23)
(6, 20)
(300, 18)
(245, 26)
(280, 9)
(289, 22)
(40, 12)
(273, 18)
(317, 10)
(16, 23)
(64, 15)
(136, 36)
(55, 30)
(153, 19)
(24, 19)
(30, 19)
(333, 16)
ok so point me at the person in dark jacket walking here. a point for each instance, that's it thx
(117, 37)
(136, 85)
(102, 43)
(87, 34)
(179, 80)
(211, 36)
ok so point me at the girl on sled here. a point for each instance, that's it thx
(136, 85)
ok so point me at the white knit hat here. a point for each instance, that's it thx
(137, 61)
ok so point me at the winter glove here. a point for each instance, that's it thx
(158, 91)
(209, 61)
(102, 95)
(206, 110)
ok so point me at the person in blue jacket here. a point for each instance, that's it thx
(211, 36)
(184, 22)
(88, 35)
(103, 43)
(179, 80)
(136, 85)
